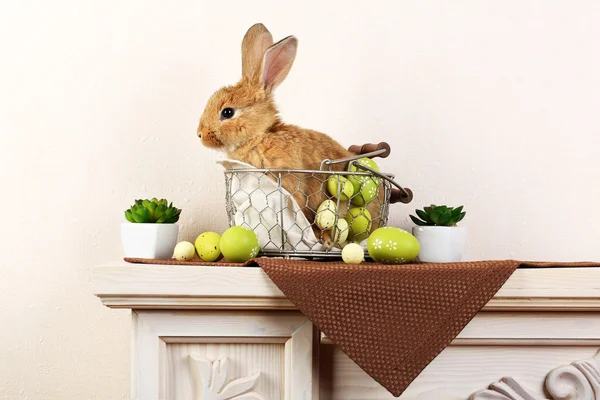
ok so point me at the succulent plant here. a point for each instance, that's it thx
(152, 212)
(438, 216)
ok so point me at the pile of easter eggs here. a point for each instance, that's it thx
(352, 226)
(237, 244)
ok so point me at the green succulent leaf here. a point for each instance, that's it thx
(138, 218)
(456, 211)
(435, 216)
(129, 216)
(159, 211)
(143, 213)
(441, 209)
(424, 216)
(168, 214)
(152, 211)
(418, 221)
(163, 219)
(438, 215)
(445, 218)
(151, 208)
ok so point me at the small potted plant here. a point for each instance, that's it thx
(440, 239)
(151, 230)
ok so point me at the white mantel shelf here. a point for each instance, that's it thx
(234, 321)
(144, 286)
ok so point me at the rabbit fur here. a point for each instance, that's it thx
(252, 131)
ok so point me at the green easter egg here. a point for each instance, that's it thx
(208, 246)
(392, 246)
(367, 192)
(184, 251)
(360, 221)
(345, 186)
(356, 185)
(358, 178)
(239, 244)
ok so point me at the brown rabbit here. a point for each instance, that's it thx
(242, 121)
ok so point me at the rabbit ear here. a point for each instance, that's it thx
(277, 62)
(256, 41)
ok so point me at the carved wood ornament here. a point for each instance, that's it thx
(578, 381)
(210, 381)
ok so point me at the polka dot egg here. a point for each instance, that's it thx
(392, 246)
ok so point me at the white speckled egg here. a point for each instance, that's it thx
(325, 217)
(184, 251)
(340, 232)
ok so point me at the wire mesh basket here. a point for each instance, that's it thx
(312, 213)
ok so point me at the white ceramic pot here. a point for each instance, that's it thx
(441, 243)
(149, 240)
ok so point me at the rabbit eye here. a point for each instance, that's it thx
(227, 113)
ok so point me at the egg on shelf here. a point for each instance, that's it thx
(208, 246)
(392, 246)
(353, 253)
(184, 251)
(239, 244)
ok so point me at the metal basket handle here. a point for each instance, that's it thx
(370, 150)
(383, 150)
(401, 194)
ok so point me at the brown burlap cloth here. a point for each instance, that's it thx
(391, 320)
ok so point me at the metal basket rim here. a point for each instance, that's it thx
(306, 171)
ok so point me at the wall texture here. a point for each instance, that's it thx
(489, 104)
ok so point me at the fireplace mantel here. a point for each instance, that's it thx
(146, 286)
(187, 320)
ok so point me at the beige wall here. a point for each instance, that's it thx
(487, 103)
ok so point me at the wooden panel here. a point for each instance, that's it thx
(220, 323)
(134, 357)
(281, 342)
(244, 360)
(531, 325)
(455, 374)
(298, 363)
